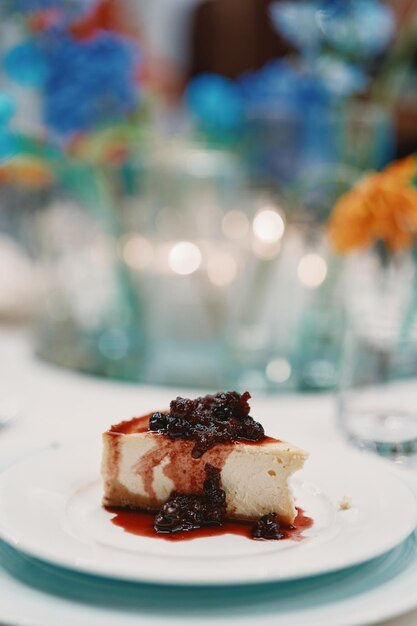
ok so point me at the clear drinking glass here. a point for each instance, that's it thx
(377, 400)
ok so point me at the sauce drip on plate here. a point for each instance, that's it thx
(142, 523)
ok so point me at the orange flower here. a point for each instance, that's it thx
(27, 172)
(403, 169)
(381, 207)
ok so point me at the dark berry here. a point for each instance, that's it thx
(158, 421)
(209, 420)
(251, 430)
(178, 428)
(267, 528)
(181, 512)
(181, 407)
(185, 512)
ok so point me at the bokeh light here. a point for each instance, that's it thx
(312, 270)
(266, 250)
(222, 268)
(278, 370)
(235, 225)
(136, 251)
(184, 257)
(268, 225)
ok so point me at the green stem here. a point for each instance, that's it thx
(411, 311)
(388, 86)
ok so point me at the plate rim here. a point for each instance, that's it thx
(408, 602)
(92, 569)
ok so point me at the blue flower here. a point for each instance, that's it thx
(32, 6)
(89, 82)
(355, 27)
(215, 101)
(359, 28)
(25, 64)
(297, 21)
(282, 87)
(8, 144)
(29, 6)
(7, 108)
(339, 78)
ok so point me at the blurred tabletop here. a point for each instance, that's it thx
(58, 406)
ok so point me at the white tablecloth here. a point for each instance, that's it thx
(58, 406)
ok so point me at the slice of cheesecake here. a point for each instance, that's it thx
(146, 459)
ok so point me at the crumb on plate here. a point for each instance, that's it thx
(345, 504)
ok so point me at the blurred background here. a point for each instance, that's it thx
(201, 193)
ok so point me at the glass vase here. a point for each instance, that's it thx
(87, 317)
(175, 268)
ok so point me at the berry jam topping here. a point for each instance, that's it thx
(187, 512)
(267, 528)
(222, 418)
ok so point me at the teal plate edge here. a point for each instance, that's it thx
(211, 601)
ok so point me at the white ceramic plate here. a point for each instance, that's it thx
(33, 592)
(50, 509)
